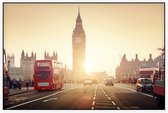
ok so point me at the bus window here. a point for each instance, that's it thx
(42, 75)
(43, 64)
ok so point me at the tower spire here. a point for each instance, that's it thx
(78, 10)
(79, 20)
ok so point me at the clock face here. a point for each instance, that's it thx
(77, 40)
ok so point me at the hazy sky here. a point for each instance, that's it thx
(111, 31)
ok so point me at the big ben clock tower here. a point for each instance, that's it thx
(78, 44)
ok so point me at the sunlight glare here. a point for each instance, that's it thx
(89, 66)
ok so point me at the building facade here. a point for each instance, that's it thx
(27, 65)
(129, 70)
(78, 47)
(15, 73)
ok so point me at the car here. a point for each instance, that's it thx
(109, 81)
(87, 82)
(94, 81)
(144, 85)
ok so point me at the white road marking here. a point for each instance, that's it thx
(50, 99)
(94, 98)
(113, 103)
(135, 91)
(105, 93)
(146, 94)
(109, 99)
(93, 103)
(39, 98)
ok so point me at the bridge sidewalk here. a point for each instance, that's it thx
(19, 91)
(24, 90)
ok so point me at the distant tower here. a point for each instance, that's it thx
(78, 46)
(136, 58)
(47, 56)
(124, 59)
(150, 57)
(27, 65)
(11, 58)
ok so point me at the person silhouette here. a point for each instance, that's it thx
(27, 84)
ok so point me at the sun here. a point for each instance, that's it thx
(89, 67)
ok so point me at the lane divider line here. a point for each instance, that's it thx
(50, 99)
(94, 98)
(118, 108)
(93, 103)
(113, 103)
(109, 98)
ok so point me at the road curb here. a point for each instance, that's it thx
(20, 92)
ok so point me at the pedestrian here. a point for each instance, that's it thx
(10, 84)
(20, 83)
(15, 83)
(27, 84)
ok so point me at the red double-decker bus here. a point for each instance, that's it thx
(48, 75)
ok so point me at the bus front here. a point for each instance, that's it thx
(43, 74)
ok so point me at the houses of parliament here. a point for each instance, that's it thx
(25, 71)
(130, 69)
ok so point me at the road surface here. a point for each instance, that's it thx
(80, 97)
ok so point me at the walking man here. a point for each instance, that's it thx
(27, 84)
